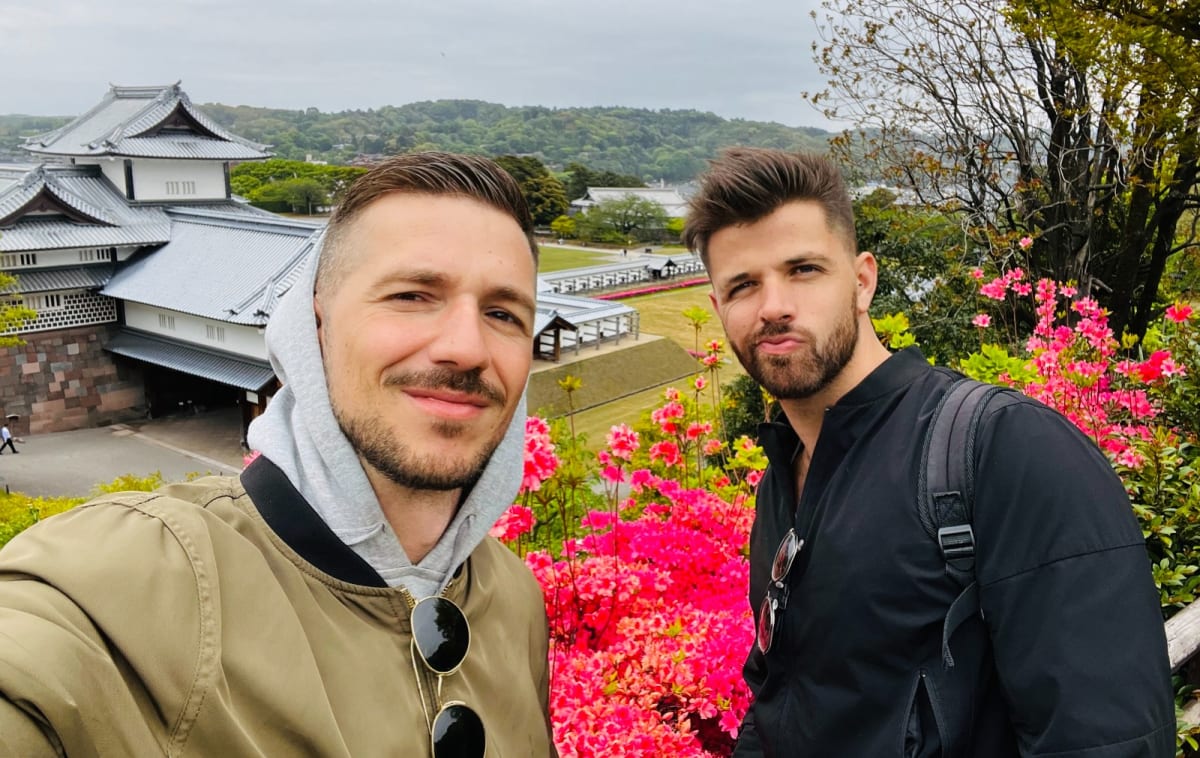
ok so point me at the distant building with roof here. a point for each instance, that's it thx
(152, 282)
(668, 198)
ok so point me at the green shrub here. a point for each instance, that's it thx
(19, 511)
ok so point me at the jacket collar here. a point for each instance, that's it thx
(291, 517)
(851, 415)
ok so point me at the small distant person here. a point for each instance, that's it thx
(6, 440)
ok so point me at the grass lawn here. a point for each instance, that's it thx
(552, 258)
(661, 313)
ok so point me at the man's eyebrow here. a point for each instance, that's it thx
(735, 279)
(427, 277)
(513, 295)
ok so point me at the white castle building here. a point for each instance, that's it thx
(152, 283)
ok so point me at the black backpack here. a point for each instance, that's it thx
(946, 491)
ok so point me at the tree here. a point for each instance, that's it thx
(746, 406)
(13, 314)
(922, 273)
(622, 219)
(251, 178)
(543, 192)
(1054, 119)
(563, 226)
(674, 228)
(303, 194)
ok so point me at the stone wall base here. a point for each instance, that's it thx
(63, 379)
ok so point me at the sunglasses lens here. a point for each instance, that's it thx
(766, 624)
(457, 733)
(441, 634)
(784, 556)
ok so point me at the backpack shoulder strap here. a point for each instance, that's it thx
(946, 492)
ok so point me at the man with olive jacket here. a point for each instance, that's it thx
(341, 597)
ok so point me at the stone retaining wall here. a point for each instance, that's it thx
(63, 379)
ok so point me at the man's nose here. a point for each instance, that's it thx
(778, 302)
(459, 338)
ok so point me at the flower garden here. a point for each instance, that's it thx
(641, 549)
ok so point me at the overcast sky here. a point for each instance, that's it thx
(750, 59)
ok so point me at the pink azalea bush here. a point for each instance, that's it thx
(1142, 411)
(646, 588)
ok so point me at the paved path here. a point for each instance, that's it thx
(72, 463)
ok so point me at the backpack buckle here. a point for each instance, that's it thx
(958, 544)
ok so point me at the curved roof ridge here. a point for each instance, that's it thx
(127, 122)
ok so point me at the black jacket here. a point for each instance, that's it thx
(1070, 656)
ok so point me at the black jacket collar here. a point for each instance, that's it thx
(291, 517)
(853, 414)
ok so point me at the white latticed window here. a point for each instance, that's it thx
(215, 333)
(166, 322)
(60, 310)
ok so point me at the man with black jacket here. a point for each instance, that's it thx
(1067, 656)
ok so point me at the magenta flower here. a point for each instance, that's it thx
(982, 321)
(1179, 312)
(622, 441)
(667, 452)
(994, 289)
(514, 522)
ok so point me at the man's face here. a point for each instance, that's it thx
(427, 340)
(787, 290)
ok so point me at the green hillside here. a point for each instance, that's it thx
(672, 145)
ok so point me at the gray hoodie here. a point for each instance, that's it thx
(299, 434)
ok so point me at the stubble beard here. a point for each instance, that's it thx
(806, 372)
(383, 450)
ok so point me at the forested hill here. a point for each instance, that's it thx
(654, 144)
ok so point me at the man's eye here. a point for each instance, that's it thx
(408, 296)
(504, 315)
(738, 288)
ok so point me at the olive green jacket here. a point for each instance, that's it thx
(180, 623)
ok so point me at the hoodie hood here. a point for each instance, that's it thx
(299, 434)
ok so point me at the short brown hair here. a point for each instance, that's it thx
(425, 173)
(746, 184)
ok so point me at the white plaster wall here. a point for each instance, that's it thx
(113, 170)
(239, 339)
(150, 179)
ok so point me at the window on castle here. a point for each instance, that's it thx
(181, 188)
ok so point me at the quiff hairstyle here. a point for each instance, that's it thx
(426, 173)
(746, 184)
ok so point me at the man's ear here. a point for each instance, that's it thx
(867, 274)
(317, 314)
